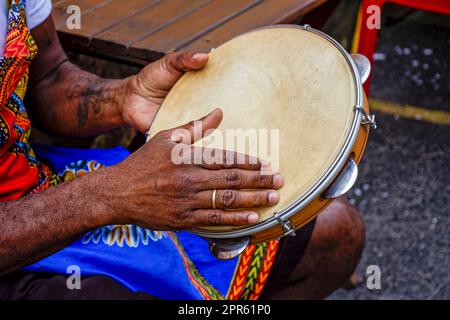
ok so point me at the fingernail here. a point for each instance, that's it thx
(216, 110)
(199, 56)
(273, 197)
(278, 181)
(253, 218)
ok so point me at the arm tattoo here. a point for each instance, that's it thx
(92, 94)
(74, 102)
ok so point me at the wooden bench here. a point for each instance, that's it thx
(140, 31)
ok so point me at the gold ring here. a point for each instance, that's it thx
(213, 198)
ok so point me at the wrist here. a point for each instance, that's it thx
(125, 113)
(97, 189)
(110, 198)
(122, 90)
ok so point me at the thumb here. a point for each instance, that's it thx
(185, 61)
(196, 129)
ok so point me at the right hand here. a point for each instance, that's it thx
(150, 190)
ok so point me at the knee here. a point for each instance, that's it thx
(332, 254)
(348, 225)
(341, 233)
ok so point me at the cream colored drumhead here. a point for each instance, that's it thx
(281, 78)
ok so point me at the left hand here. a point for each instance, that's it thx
(148, 89)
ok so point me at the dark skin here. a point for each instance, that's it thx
(67, 101)
(159, 194)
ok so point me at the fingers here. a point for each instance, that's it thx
(195, 130)
(185, 61)
(214, 159)
(238, 179)
(234, 199)
(217, 217)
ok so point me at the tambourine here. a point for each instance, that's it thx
(301, 83)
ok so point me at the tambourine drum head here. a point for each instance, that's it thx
(281, 78)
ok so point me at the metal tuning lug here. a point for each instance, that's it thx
(286, 224)
(363, 65)
(225, 249)
(344, 181)
(368, 120)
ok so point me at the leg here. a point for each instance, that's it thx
(331, 255)
(24, 285)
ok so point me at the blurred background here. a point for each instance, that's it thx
(403, 189)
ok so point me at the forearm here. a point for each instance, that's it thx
(65, 100)
(75, 103)
(38, 225)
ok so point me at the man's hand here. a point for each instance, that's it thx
(150, 190)
(147, 189)
(148, 89)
